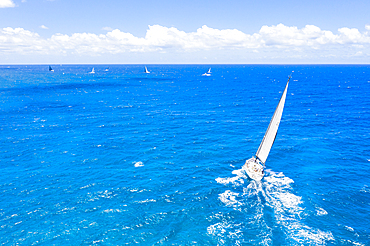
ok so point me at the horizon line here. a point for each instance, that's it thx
(209, 64)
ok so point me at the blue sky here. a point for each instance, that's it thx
(203, 32)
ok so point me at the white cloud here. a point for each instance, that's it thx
(353, 36)
(18, 40)
(273, 42)
(309, 36)
(6, 4)
(107, 28)
(43, 27)
(203, 38)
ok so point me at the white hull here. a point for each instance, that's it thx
(254, 169)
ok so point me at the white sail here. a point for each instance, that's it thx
(269, 138)
(207, 73)
(146, 70)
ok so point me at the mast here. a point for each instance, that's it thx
(270, 135)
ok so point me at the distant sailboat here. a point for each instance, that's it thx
(107, 69)
(92, 71)
(207, 73)
(50, 69)
(253, 166)
(146, 70)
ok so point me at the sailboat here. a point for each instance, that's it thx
(107, 69)
(92, 71)
(207, 73)
(146, 70)
(253, 166)
(50, 69)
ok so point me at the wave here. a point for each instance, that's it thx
(269, 213)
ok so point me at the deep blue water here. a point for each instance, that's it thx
(122, 157)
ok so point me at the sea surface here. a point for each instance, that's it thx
(121, 157)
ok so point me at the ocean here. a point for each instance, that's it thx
(120, 157)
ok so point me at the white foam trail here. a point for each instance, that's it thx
(222, 228)
(233, 231)
(237, 180)
(229, 198)
(289, 213)
(273, 192)
(233, 180)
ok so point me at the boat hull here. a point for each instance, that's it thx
(254, 169)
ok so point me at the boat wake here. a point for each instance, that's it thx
(264, 212)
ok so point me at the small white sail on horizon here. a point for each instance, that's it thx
(253, 166)
(146, 70)
(50, 69)
(208, 73)
(92, 71)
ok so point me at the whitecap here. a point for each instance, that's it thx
(321, 212)
(356, 243)
(349, 228)
(146, 201)
(114, 211)
(365, 189)
(139, 164)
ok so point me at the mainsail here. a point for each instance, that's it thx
(269, 138)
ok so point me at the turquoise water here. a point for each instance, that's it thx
(120, 157)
